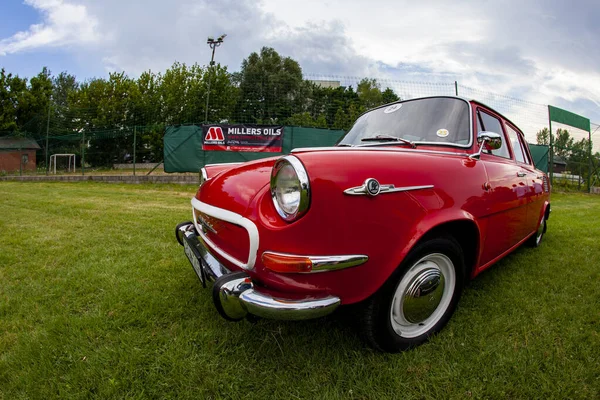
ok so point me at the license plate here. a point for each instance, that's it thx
(194, 261)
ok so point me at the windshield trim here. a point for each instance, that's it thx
(416, 142)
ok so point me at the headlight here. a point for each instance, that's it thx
(290, 188)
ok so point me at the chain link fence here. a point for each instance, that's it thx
(112, 128)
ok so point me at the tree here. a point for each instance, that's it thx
(269, 85)
(302, 119)
(543, 137)
(340, 120)
(34, 103)
(223, 94)
(321, 122)
(369, 93)
(182, 94)
(388, 96)
(11, 89)
(64, 87)
(109, 109)
(563, 142)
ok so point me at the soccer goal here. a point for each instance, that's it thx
(70, 158)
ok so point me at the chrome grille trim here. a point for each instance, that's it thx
(232, 218)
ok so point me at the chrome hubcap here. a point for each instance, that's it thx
(423, 295)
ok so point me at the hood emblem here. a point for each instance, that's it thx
(372, 187)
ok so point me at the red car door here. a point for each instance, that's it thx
(533, 177)
(507, 193)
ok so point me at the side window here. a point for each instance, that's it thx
(487, 122)
(516, 144)
(525, 149)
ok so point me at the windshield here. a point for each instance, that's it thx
(442, 120)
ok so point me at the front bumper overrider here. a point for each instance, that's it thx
(234, 293)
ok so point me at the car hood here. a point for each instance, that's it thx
(331, 171)
(234, 188)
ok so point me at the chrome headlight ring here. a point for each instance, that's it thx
(290, 188)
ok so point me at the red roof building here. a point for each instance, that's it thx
(17, 154)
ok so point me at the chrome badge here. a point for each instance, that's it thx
(206, 225)
(372, 186)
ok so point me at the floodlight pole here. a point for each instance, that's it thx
(213, 44)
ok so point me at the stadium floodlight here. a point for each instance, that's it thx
(213, 44)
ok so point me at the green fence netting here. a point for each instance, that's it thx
(183, 146)
(540, 156)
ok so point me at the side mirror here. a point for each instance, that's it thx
(491, 141)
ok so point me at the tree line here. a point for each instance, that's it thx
(268, 89)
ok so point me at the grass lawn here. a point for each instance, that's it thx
(98, 300)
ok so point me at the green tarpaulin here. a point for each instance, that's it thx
(183, 146)
(540, 156)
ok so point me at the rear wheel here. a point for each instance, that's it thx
(419, 298)
(536, 239)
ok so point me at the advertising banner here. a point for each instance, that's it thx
(255, 138)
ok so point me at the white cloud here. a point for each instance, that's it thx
(538, 51)
(64, 24)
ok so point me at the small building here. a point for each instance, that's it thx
(560, 165)
(17, 154)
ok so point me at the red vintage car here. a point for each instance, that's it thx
(419, 196)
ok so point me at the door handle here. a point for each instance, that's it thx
(521, 174)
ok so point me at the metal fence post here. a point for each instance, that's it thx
(134, 143)
(551, 148)
(47, 133)
(82, 154)
(589, 180)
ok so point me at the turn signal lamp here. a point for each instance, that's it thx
(286, 263)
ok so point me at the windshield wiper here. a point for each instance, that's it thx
(388, 138)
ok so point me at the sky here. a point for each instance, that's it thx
(540, 52)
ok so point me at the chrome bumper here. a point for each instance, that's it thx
(235, 295)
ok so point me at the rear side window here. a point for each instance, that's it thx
(516, 144)
(489, 123)
(525, 149)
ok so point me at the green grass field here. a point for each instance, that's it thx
(97, 300)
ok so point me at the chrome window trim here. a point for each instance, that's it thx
(233, 218)
(354, 148)
(327, 263)
(302, 175)
(221, 164)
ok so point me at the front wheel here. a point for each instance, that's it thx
(419, 298)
